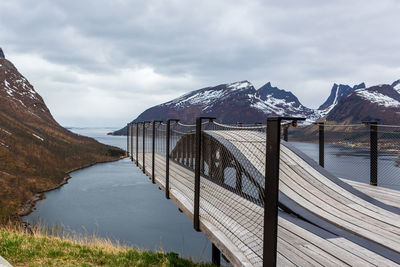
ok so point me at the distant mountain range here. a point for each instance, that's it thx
(36, 153)
(241, 102)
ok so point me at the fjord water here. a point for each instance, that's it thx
(116, 200)
(354, 163)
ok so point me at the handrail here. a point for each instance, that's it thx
(191, 125)
(240, 127)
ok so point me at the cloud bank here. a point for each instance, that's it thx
(104, 62)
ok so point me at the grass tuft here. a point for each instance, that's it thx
(38, 248)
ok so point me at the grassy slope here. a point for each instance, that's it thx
(29, 164)
(37, 249)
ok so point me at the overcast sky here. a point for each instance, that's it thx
(101, 63)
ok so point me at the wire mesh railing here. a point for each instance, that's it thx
(389, 156)
(228, 166)
(228, 163)
(364, 152)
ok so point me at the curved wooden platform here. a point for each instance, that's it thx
(322, 220)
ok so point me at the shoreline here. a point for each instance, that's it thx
(31, 203)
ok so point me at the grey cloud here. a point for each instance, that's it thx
(302, 46)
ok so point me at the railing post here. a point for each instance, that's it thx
(127, 140)
(374, 153)
(198, 153)
(131, 134)
(271, 189)
(373, 143)
(153, 152)
(137, 144)
(144, 147)
(321, 135)
(192, 141)
(167, 157)
(215, 255)
(285, 132)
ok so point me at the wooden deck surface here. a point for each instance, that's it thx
(385, 195)
(235, 224)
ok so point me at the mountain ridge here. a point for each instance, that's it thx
(379, 103)
(250, 105)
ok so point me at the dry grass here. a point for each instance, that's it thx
(54, 247)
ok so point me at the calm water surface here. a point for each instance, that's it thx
(118, 201)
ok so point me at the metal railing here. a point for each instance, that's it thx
(228, 161)
(243, 159)
(366, 152)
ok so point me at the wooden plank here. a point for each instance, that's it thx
(330, 198)
(385, 195)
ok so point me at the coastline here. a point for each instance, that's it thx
(31, 203)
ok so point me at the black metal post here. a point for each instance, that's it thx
(374, 153)
(321, 135)
(192, 141)
(167, 157)
(153, 152)
(285, 132)
(131, 133)
(215, 255)
(137, 144)
(144, 147)
(127, 140)
(198, 149)
(271, 189)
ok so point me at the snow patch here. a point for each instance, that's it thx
(2, 144)
(204, 98)
(397, 87)
(38, 137)
(239, 85)
(378, 98)
(7, 132)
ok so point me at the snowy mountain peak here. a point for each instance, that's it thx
(16, 89)
(268, 92)
(1, 53)
(396, 86)
(338, 91)
(377, 97)
(376, 103)
(207, 96)
(239, 85)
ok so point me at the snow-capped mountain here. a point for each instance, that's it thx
(241, 102)
(377, 103)
(396, 86)
(274, 101)
(20, 94)
(230, 103)
(338, 91)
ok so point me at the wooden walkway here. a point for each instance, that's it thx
(322, 222)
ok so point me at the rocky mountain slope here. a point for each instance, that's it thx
(230, 103)
(377, 103)
(241, 102)
(338, 92)
(36, 153)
